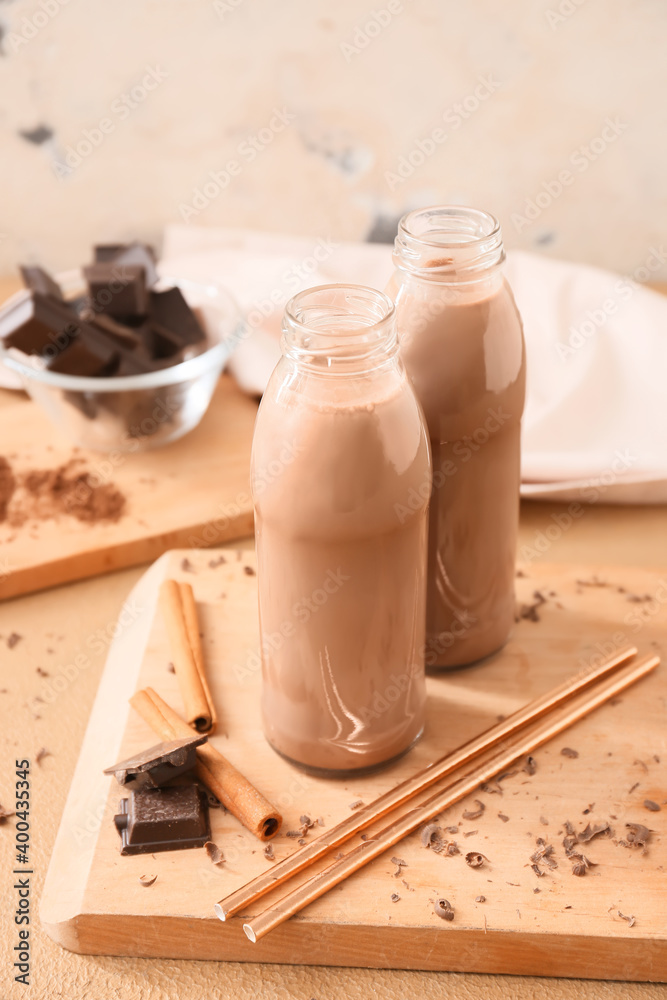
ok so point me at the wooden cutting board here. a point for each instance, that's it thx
(193, 492)
(556, 924)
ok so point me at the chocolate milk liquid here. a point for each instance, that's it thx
(462, 344)
(340, 447)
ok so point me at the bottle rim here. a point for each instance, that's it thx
(449, 243)
(337, 326)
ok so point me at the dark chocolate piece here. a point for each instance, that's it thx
(104, 252)
(86, 359)
(117, 289)
(38, 324)
(173, 320)
(141, 255)
(158, 765)
(163, 819)
(37, 280)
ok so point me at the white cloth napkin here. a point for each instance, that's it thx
(595, 423)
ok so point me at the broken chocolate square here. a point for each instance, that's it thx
(163, 819)
(158, 765)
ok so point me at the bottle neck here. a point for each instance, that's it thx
(449, 245)
(340, 330)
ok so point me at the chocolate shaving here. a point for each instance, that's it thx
(187, 566)
(147, 880)
(171, 668)
(503, 817)
(651, 806)
(451, 849)
(357, 804)
(538, 871)
(213, 563)
(394, 897)
(42, 672)
(491, 789)
(593, 582)
(431, 837)
(249, 571)
(7, 486)
(544, 821)
(475, 859)
(41, 754)
(13, 639)
(544, 855)
(444, 909)
(470, 833)
(589, 832)
(641, 764)
(580, 863)
(529, 612)
(480, 899)
(637, 834)
(530, 767)
(631, 920)
(569, 752)
(475, 813)
(215, 855)
(5, 814)
(268, 852)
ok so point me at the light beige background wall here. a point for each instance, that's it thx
(360, 82)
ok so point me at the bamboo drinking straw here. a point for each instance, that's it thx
(404, 791)
(317, 886)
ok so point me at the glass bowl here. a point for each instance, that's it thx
(135, 412)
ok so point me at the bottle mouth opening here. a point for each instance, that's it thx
(339, 323)
(448, 242)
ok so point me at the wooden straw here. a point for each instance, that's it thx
(317, 886)
(180, 614)
(231, 788)
(401, 793)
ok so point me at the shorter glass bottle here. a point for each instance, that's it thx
(341, 477)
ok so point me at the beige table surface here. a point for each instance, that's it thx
(55, 625)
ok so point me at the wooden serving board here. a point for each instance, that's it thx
(94, 903)
(193, 492)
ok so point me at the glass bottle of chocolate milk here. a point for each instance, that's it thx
(461, 340)
(340, 452)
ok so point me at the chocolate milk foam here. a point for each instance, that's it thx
(464, 352)
(342, 598)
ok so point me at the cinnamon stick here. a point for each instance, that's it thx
(234, 791)
(180, 613)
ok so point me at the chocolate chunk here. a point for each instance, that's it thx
(163, 819)
(37, 280)
(117, 290)
(86, 359)
(137, 255)
(158, 765)
(38, 324)
(105, 252)
(175, 325)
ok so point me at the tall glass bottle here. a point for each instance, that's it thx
(462, 343)
(339, 455)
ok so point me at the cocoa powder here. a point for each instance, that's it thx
(69, 489)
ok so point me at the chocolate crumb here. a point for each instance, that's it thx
(301, 841)
(593, 582)
(249, 571)
(320, 821)
(451, 829)
(394, 897)
(475, 859)
(530, 767)
(294, 834)
(529, 612)
(451, 849)
(268, 852)
(357, 804)
(171, 668)
(480, 899)
(13, 639)
(490, 789)
(651, 806)
(470, 833)
(399, 862)
(69, 489)
(537, 890)
(569, 752)
(444, 909)
(408, 887)
(213, 563)
(7, 486)
(503, 817)
(42, 672)
(641, 764)
(631, 920)
(475, 813)
(187, 566)
(147, 880)
(544, 821)
(41, 754)
(215, 855)
(580, 864)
